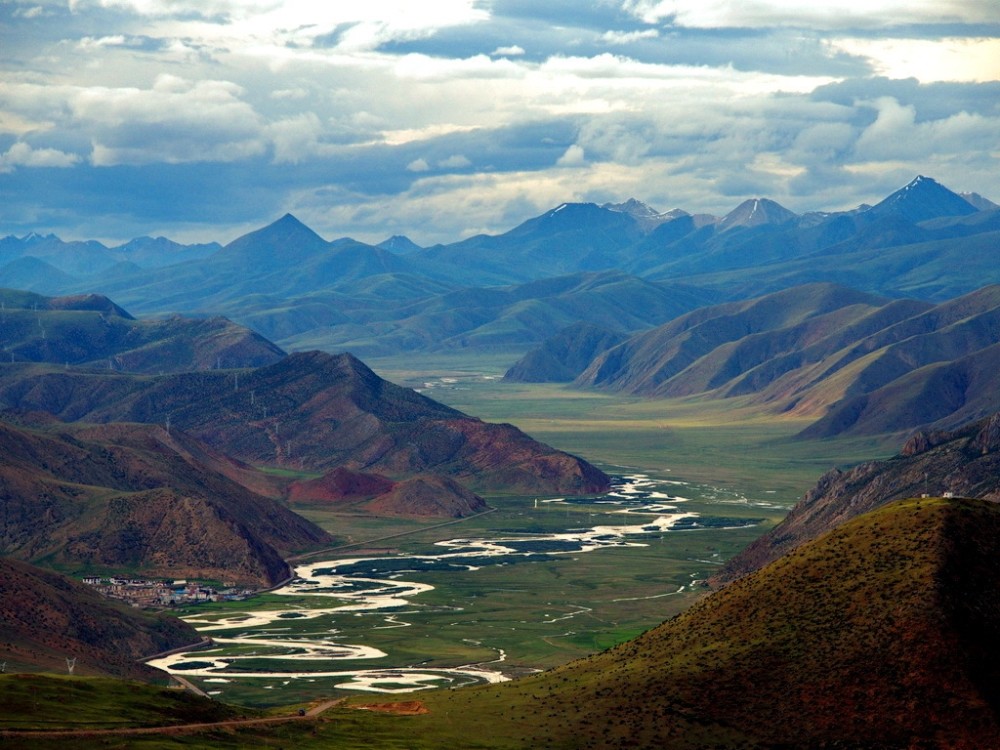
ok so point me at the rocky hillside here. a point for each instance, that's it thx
(137, 498)
(46, 618)
(421, 496)
(964, 463)
(879, 634)
(90, 330)
(859, 364)
(315, 411)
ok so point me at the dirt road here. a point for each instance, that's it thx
(174, 729)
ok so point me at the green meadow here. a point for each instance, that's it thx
(732, 461)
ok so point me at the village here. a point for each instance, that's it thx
(151, 594)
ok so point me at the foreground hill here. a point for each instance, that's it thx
(314, 411)
(46, 618)
(965, 463)
(878, 634)
(91, 330)
(860, 364)
(137, 498)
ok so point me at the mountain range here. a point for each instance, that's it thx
(858, 363)
(483, 293)
(310, 411)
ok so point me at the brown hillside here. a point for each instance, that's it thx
(314, 411)
(134, 497)
(338, 486)
(46, 618)
(420, 496)
(858, 363)
(427, 496)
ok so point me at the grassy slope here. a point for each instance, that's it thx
(50, 701)
(884, 612)
(879, 634)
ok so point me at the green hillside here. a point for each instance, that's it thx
(880, 634)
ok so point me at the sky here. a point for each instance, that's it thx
(200, 120)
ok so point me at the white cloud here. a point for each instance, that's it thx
(296, 138)
(456, 161)
(833, 14)
(628, 37)
(89, 43)
(290, 94)
(418, 165)
(35, 11)
(22, 154)
(897, 135)
(512, 51)
(175, 121)
(928, 60)
(574, 156)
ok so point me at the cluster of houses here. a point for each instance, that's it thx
(140, 592)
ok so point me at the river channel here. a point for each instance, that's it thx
(281, 644)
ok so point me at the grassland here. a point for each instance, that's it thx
(729, 443)
(739, 462)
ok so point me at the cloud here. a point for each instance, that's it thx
(928, 60)
(511, 51)
(833, 14)
(629, 37)
(456, 161)
(574, 156)
(176, 120)
(226, 113)
(21, 154)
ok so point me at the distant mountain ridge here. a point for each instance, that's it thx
(561, 358)
(860, 364)
(291, 285)
(91, 330)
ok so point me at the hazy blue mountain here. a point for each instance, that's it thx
(400, 244)
(295, 287)
(920, 200)
(561, 358)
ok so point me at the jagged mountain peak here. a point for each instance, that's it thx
(633, 207)
(399, 244)
(921, 199)
(755, 212)
(287, 238)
